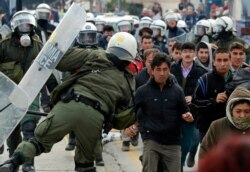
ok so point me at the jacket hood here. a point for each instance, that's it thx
(239, 93)
(210, 58)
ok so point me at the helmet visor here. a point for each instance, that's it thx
(87, 38)
(199, 30)
(24, 28)
(156, 32)
(121, 54)
(43, 15)
(218, 28)
(124, 28)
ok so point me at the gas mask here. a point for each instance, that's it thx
(25, 40)
(24, 31)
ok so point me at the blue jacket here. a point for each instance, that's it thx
(159, 111)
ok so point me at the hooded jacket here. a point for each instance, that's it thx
(224, 127)
(208, 68)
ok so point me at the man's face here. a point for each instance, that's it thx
(222, 63)
(170, 45)
(148, 62)
(176, 54)
(171, 23)
(161, 73)
(203, 55)
(146, 44)
(237, 57)
(241, 110)
(187, 55)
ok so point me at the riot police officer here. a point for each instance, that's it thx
(17, 52)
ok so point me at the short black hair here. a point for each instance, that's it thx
(201, 45)
(145, 29)
(146, 37)
(108, 28)
(161, 58)
(177, 46)
(188, 46)
(221, 50)
(240, 101)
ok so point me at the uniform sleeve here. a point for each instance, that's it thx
(73, 59)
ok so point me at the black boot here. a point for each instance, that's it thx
(28, 166)
(12, 164)
(99, 161)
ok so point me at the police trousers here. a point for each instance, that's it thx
(84, 120)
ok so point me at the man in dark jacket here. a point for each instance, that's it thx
(160, 107)
(187, 73)
(210, 96)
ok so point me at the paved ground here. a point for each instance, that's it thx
(60, 160)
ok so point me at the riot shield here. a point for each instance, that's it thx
(42, 67)
(13, 105)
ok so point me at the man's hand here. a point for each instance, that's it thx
(131, 131)
(221, 97)
(188, 99)
(188, 117)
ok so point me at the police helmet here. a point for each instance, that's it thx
(224, 23)
(145, 22)
(203, 27)
(43, 11)
(123, 45)
(23, 21)
(158, 25)
(88, 35)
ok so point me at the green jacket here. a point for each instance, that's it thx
(12, 51)
(104, 82)
(224, 127)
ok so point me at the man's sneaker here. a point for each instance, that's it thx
(190, 160)
(1, 149)
(70, 147)
(125, 146)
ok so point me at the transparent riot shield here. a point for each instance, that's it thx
(13, 106)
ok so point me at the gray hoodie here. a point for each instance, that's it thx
(210, 59)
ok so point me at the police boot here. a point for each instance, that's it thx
(28, 166)
(12, 164)
(71, 145)
(99, 161)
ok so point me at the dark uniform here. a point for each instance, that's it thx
(15, 55)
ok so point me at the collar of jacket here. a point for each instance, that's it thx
(169, 82)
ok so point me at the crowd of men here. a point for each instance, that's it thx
(184, 94)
